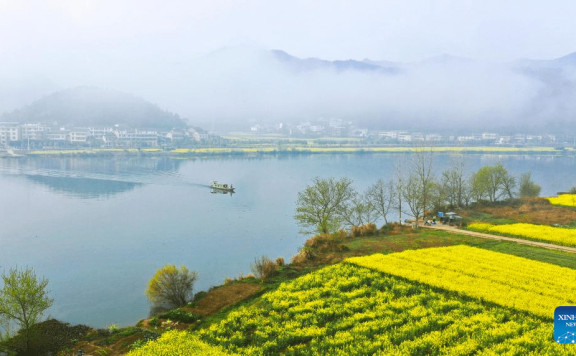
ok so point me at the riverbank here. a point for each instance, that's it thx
(287, 149)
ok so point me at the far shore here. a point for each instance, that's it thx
(209, 151)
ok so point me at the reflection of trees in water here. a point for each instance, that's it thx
(84, 187)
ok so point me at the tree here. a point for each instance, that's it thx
(527, 187)
(508, 184)
(491, 182)
(438, 196)
(398, 183)
(24, 299)
(413, 196)
(320, 207)
(381, 195)
(359, 210)
(171, 286)
(454, 184)
(421, 178)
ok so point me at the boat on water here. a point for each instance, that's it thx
(222, 187)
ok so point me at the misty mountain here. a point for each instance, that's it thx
(18, 90)
(91, 106)
(236, 87)
(311, 64)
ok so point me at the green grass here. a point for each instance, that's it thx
(488, 218)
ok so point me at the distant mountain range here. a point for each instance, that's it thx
(231, 88)
(91, 106)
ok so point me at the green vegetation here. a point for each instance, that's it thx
(320, 207)
(171, 286)
(23, 299)
(527, 188)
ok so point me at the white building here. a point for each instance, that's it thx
(78, 136)
(34, 132)
(433, 138)
(489, 136)
(9, 131)
(404, 137)
(137, 137)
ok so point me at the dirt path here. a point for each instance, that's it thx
(454, 230)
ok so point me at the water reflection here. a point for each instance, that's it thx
(85, 188)
(94, 177)
(218, 191)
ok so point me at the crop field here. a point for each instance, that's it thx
(441, 301)
(507, 280)
(563, 199)
(177, 343)
(556, 235)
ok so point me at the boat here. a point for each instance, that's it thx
(223, 187)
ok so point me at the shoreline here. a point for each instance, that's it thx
(218, 151)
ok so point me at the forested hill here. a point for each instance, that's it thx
(91, 106)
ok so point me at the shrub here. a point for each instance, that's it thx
(342, 234)
(368, 229)
(180, 315)
(263, 268)
(305, 254)
(355, 231)
(171, 286)
(199, 296)
(280, 261)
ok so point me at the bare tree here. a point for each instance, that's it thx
(359, 211)
(412, 195)
(382, 197)
(421, 176)
(454, 183)
(399, 183)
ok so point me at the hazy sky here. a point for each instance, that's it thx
(157, 50)
(36, 34)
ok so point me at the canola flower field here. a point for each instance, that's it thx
(177, 343)
(556, 235)
(563, 199)
(511, 281)
(347, 309)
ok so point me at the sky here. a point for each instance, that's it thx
(164, 51)
(36, 33)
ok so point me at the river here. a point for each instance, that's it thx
(99, 227)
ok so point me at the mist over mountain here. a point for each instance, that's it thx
(19, 90)
(91, 106)
(233, 87)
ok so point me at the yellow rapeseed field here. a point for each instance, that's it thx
(557, 235)
(511, 281)
(563, 199)
(346, 309)
(178, 343)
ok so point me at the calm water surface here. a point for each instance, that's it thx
(99, 228)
